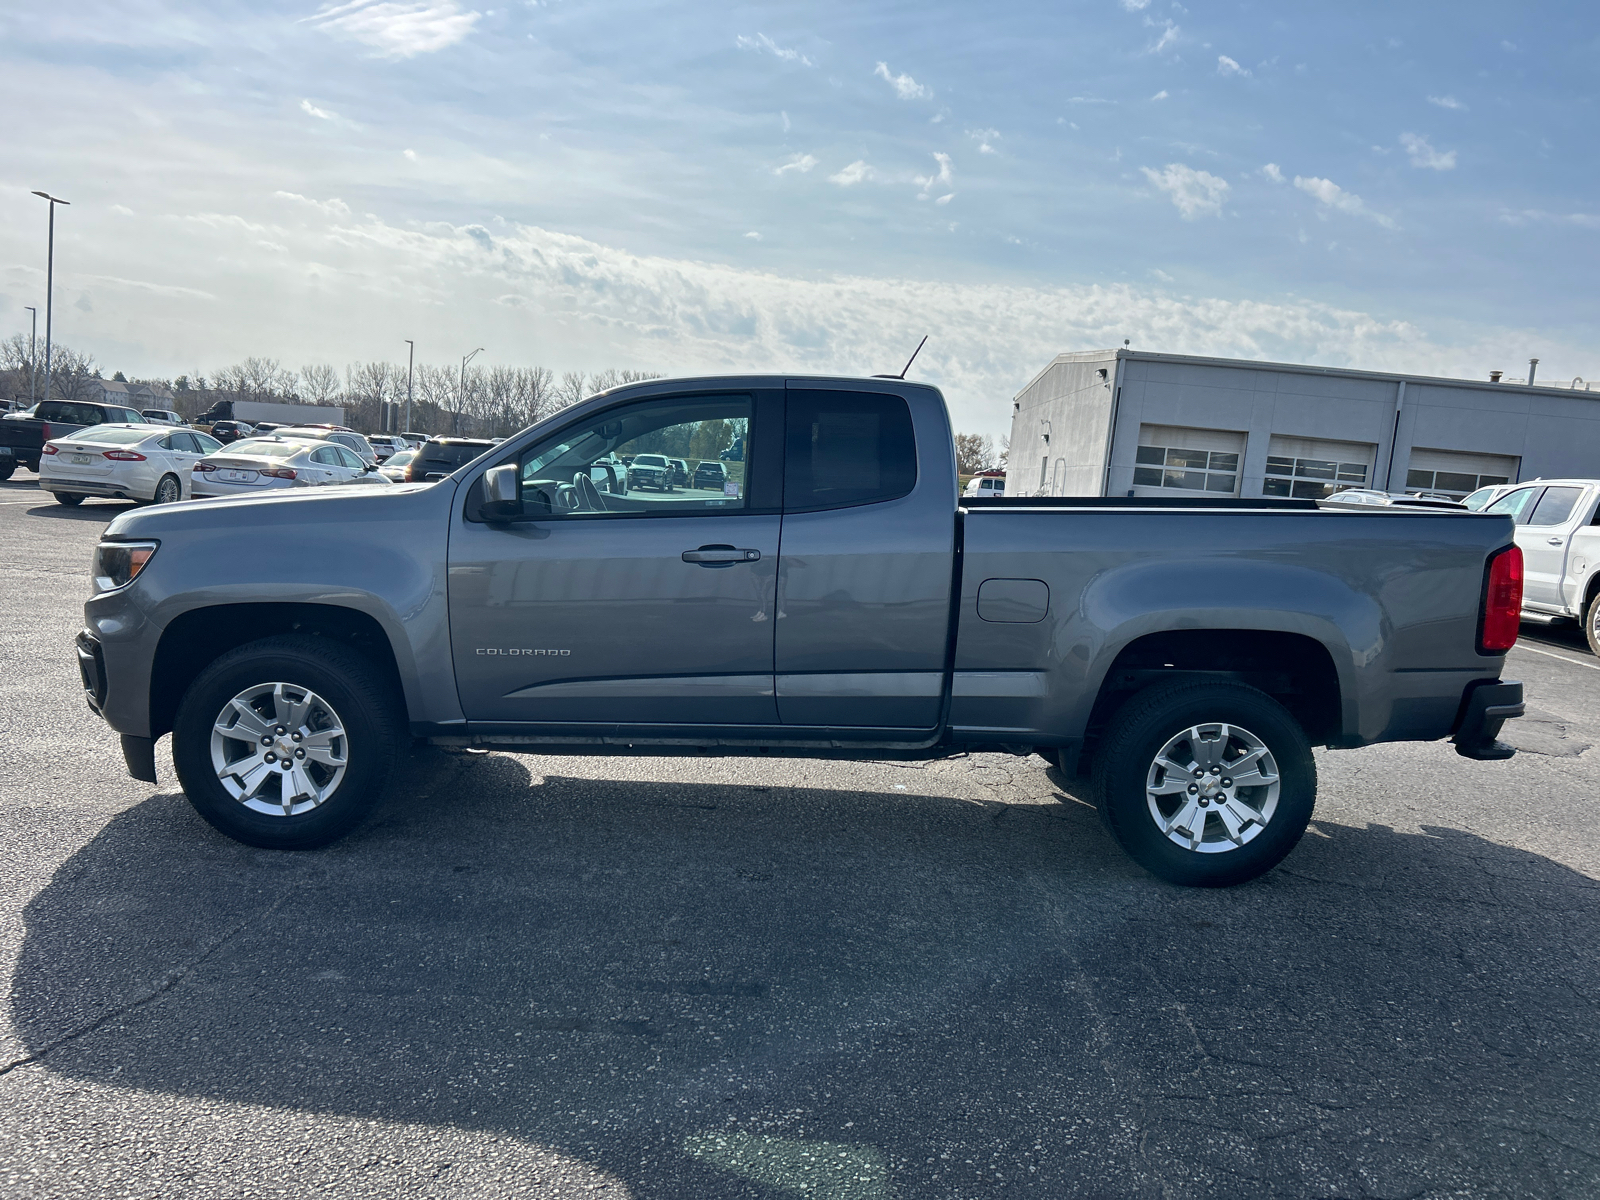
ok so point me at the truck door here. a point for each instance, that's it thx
(602, 605)
(1545, 541)
(868, 542)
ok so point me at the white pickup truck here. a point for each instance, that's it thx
(1560, 540)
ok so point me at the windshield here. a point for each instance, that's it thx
(115, 437)
(262, 448)
(649, 460)
(401, 458)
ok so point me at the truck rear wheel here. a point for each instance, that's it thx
(1591, 624)
(1205, 784)
(286, 743)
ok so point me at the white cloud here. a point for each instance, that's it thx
(1424, 155)
(945, 176)
(904, 86)
(334, 207)
(1194, 193)
(1447, 102)
(1135, 5)
(122, 210)
(1271, 172)
(1169, 35)
(800, 163)
(1161, 275)
(785, 115)
(946, 198)
(1226, 66)
(398, 28)
(1331, 196)
(1088, 100)
(853, 174)
(762, 44)
(1161, 95)
(1537, 216)
(411, 154)
(985, 139)
(321, 114)
(753, 236)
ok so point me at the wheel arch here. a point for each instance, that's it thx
(194, 639)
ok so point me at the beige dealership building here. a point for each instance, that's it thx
(1130, 423)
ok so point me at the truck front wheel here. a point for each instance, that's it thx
(287, 742)
(1205, 784)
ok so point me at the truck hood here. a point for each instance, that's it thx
(289, 508)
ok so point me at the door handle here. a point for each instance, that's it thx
(720, 556)
(1554, 541)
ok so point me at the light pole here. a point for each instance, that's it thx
(411, 359)
(461, 391)
(33, 362)
(49, 284)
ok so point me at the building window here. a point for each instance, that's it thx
(1454, 484)
(1311, 478)
(1186, 470)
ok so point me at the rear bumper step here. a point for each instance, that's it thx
(1489, 705)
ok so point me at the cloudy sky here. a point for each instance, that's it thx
(807, 186)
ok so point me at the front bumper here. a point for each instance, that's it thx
(1487, 705)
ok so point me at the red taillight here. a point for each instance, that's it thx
(204, 467)
(1502, 602)
(279, 472)
(50, 450)
(124, 455)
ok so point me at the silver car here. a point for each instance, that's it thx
(254, 465)
(347, 438)
(129, 462)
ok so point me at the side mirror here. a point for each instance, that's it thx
(502, 494)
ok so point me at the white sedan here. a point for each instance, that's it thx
(126, 462)
(251, 466)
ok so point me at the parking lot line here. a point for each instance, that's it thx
(1552, 654)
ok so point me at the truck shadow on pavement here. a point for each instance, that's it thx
(689, 985)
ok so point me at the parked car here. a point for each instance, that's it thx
(228, 432)
(386, 444)
(128, 462)
(680, 472)
(163, 416)
(348, 438)
(711, 475)
(1485, 496)
(255, 465)
(1189, 658)
(985, 486)
(394, 467)
(650, 471)
(23, 434)
(412, 439)
(1372, 498)
(268, 427)
(441, 456)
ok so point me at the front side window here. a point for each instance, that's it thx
(347, 459)
(619, 463)
(846, 448)
(207, 443)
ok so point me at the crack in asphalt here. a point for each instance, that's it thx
(172, 979)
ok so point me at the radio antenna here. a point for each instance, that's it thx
(909, 361)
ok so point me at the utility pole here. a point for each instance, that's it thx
(49, 285)
(411, 359)
(461, 391)
(33, 361)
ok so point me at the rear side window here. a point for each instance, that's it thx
(847, 448)
(1516, 504)
(1555, 506)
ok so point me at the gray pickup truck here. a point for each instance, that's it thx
(827, 596)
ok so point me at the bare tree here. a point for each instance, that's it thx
(571, 389)
(1003, 454)
(974, 453)
(319, 382)
(71, 374)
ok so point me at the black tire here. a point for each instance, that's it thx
(167, 484)
(70, 499)
(372, 721)
(1126, 758)
(8, 468)
(1591, 619)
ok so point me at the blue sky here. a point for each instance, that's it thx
(808, 186)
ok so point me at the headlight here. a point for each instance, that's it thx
(117, 564)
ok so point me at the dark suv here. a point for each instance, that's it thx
(440, 456)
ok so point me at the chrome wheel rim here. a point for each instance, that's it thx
(1212, 788)
(279, 749)
(167, 491)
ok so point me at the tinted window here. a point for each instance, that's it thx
(207, 443)
(185, 442)
(847, 448)
(1516, 503)
(445, 459)
(1555, 506)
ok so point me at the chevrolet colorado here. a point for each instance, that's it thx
(832, 598)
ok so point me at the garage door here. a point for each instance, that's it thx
(1311, 468)
(1458, 472)
(1173, 458)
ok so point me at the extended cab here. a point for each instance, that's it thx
(23, 435)
(831, 599)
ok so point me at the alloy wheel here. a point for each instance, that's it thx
(279, 749)
(1212, 788)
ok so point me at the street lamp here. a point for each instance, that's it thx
(49, 284)
(461, 391)
(411, 358)
(33, 362)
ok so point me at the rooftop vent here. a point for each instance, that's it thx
(1494, 376)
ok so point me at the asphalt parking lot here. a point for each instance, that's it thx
(738, 978)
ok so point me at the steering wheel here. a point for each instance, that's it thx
(588, 495)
